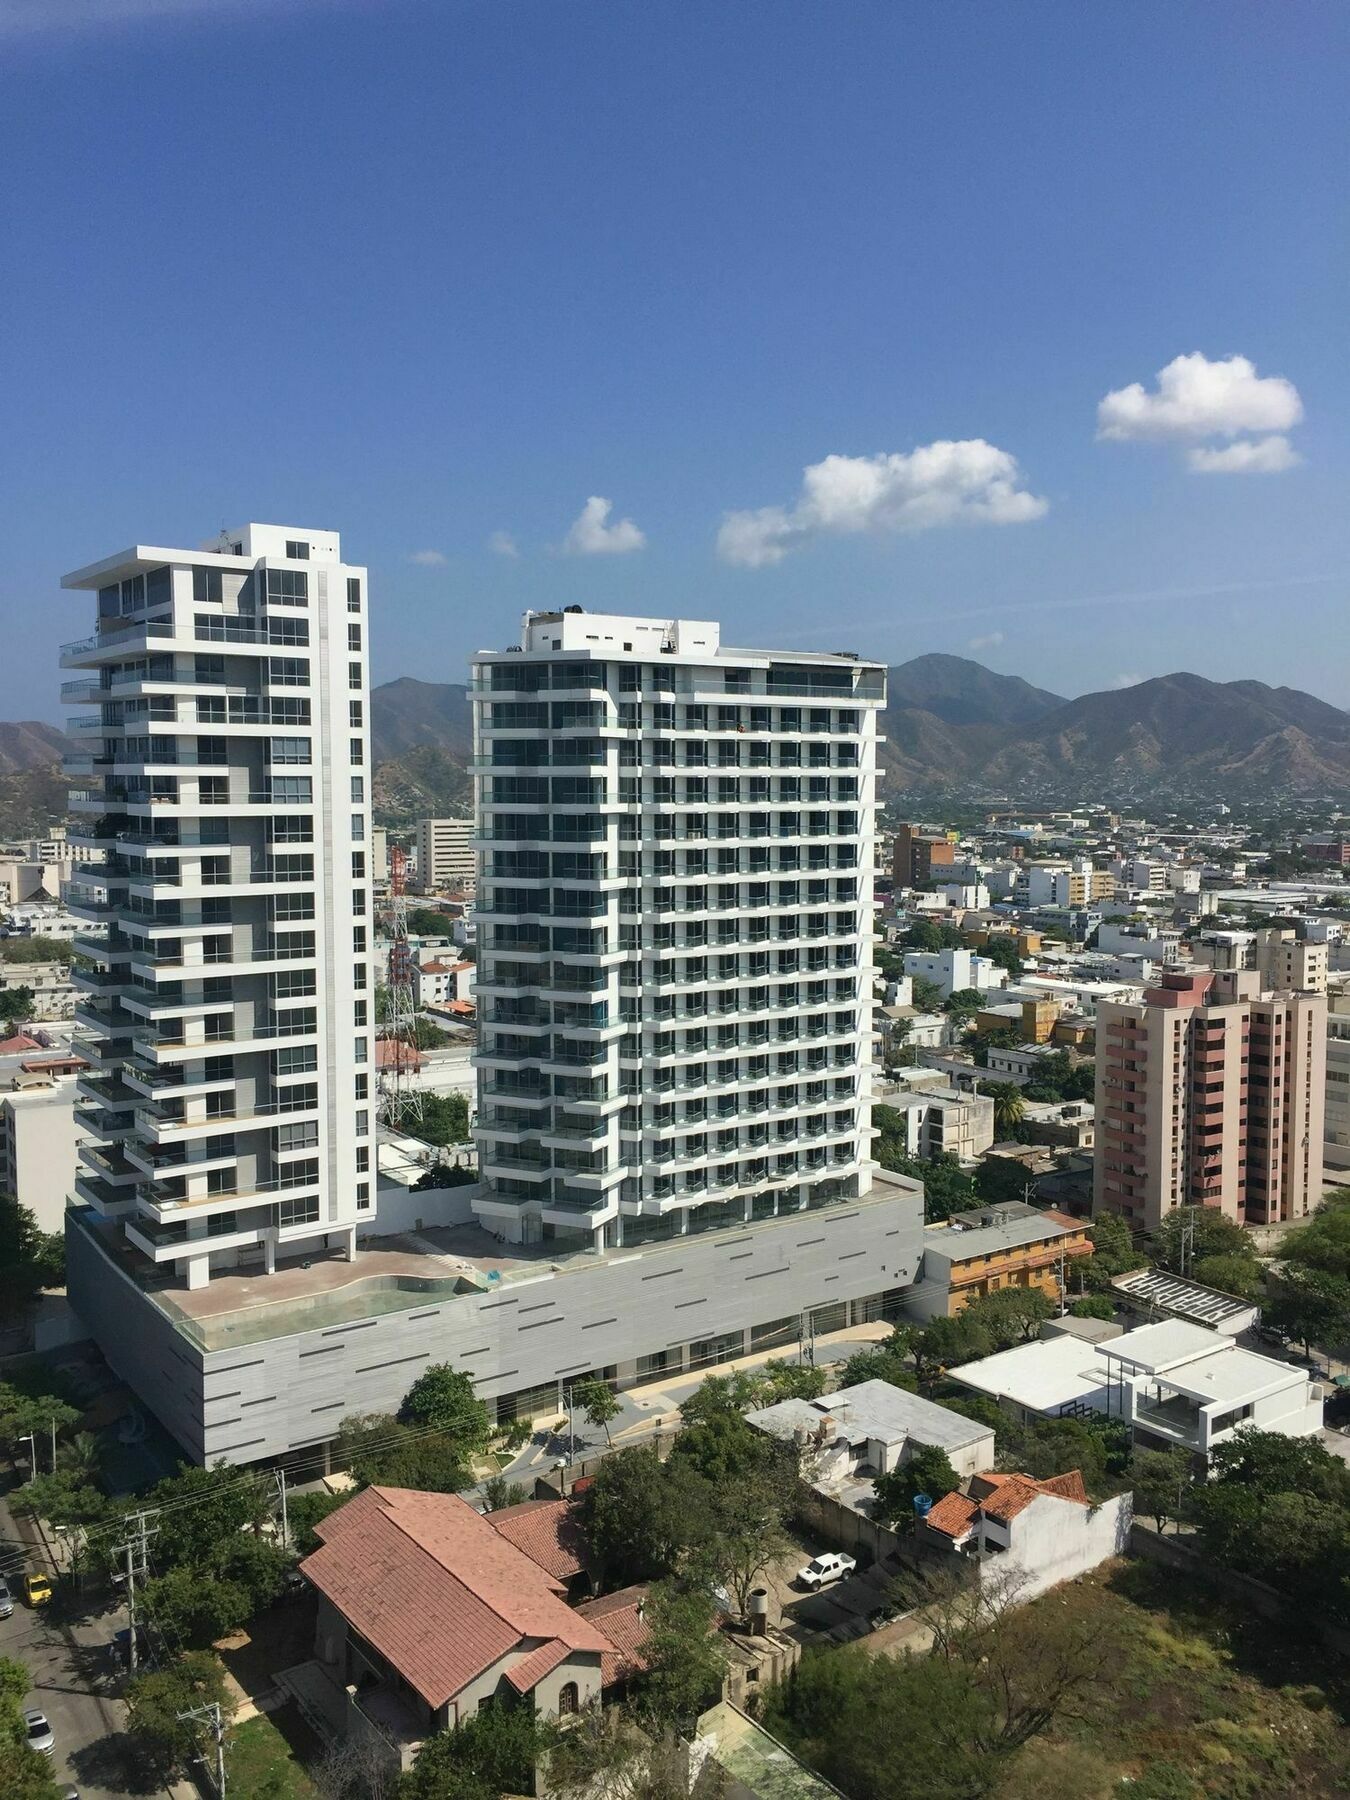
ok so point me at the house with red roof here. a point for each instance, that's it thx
(1039, 1533)
(429, 1610)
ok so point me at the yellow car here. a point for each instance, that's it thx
(37, 1590)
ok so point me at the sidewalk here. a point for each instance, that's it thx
(646, 1411)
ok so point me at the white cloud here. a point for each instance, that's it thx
(503, 544)
(990, 641)
(592, 534)
(1247, 456)
(1197, 398)
(964, 483)
(427, 559)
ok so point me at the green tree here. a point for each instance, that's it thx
(635, 1517)
(1009, 1106)
(24, 1773)
(307, 1511)
(376, 1448)
(154, 1701)
(1012, 1315)
(963, 1004)
(946, 1342)
(426, 1036)
(428, 921)
(741, 1527)
(191, 1609)
(1002, 1180)
(1207, 1232)
(1324, 1243)
(35, 950)
(889, 1361)
(30, 1259)
(929, 1472)
(787, 1381)
(1239, 1275)
(1092, 1306)
(1002, 951)
(202, 1511)
(499, 1492)
(443, 1399)
(927, 995)
(1310, 1307)
(16, 1004)
(444, 1119)
(490, 1754)
(599, 1403)
(683, 1656)
(1160, 1479)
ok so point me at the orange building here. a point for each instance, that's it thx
(975, 1254)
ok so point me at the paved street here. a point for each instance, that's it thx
(67, 1657)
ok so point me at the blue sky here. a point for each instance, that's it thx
(432, 272)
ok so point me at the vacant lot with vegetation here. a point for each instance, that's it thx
(1203, 1700)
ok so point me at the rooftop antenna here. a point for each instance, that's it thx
(400, 1100)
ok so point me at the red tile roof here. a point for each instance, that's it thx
(620, 1617)
(394, 1053)
(953, 1515)
(429, 1583)
(12, 1045)
(541, 1662)
(1004, 1496)
(548, 1532)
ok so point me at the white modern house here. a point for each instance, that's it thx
(955, 971)
(228, 1010)
(1173, 1383)
(675, 916)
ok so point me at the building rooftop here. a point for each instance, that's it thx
(1008, 1227)
(393, 1273)
(440, 1594)
(757, 1763)
(1230, 1374)
(1153, 1348)
(872, 1409)
(1050, 1376)
(1183, 1299)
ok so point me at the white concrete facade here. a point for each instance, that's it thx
(675, 986)
(229, 1007)
(954, 971)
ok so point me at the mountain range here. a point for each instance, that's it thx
(951, 724)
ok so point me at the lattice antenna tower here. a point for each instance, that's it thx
(400, 1097)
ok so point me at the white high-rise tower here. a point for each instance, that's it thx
(675, 916)
(229, 1011)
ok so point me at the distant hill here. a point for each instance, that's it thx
(950, 722)
(406, 714)
(961, 692)
(29, 744)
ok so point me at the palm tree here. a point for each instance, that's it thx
(1009, 1106)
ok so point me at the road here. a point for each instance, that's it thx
(65, 1651)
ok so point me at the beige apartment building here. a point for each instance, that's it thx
(445, 854)
(1211, 1092)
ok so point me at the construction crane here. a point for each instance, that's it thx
(400, 1097)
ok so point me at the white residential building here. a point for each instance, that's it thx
(956, 970)
(675, 903)
(445, 854)
(39, 1135)
(229, 1007)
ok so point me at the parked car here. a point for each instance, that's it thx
(39, 1731)
(37, 1590)
(6, 1600)
(821, 1570)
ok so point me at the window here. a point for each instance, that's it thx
(358, 751)
(288, 671)
(354, 717)
(296, 550)
(359, 901)
(298, 1137)
(359, 939)
(359, 1013)
(358, 865)
(361, 1049)
(289, 790)
(206, 585)
(295, 1059)
(354, 675)
(363, 1158)
(288, 750)
(358, 789)
(353, 593)
(363, 1087)
(363, 1196)
(359, 976)
(301, 1211)
(353, 637)
(568, 1698)
(287, 587)
(362, 1123)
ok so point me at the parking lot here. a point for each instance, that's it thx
(851, 1608)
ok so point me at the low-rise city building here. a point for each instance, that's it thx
(993, 1248)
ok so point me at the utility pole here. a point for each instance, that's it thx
(136, 1551)
(211, 1715)
(53, 1423)
(285, 1522)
